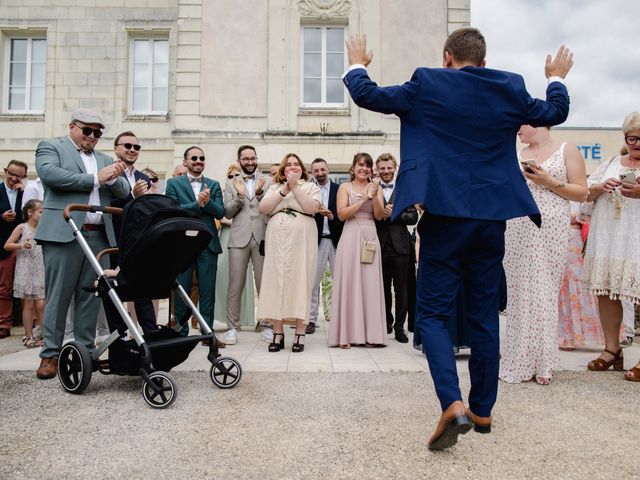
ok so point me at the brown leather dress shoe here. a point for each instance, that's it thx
(453, 422)
(480, 424)
(48, 368)
(4, 333)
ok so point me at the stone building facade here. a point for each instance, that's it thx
(216, 73)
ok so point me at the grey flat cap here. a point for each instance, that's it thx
(87, 116)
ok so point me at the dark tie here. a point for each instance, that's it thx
(247, 177)
(390, 185)
(86, 152)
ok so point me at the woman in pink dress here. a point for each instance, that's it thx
(357, 312)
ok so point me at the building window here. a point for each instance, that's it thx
(149, 85)
(27, 68)
(323, 63)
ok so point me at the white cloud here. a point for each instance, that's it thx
(604, 83)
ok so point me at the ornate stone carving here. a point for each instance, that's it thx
(324, 9)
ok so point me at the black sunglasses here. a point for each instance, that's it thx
(86, 131)
(195, 157)
(153, 180)
(129, 146)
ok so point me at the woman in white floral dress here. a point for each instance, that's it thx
(535, 258)
(612, 259)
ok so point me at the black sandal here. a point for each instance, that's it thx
(297, 346)
(276, 346)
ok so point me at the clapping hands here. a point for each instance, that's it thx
(204, 195)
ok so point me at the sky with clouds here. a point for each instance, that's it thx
(604, 83)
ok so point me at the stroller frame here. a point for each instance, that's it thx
(159, 388)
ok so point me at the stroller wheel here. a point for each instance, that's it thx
(162, 393)
(74, 367)
(226, 372)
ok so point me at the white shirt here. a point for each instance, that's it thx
(91, 167)
(131, 177)
(196, 186)
(33, 190)
(387, 192)
(250, 184)
(13, 196)
(325, 190)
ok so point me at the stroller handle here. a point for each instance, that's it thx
(78, 207)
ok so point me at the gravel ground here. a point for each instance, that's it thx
(279, 425)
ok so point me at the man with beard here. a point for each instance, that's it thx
(72, 171)
(201, 195)
(395, 248)
(329, 231)
(127, 149)
(246, 240)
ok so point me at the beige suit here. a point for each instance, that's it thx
(247, 231)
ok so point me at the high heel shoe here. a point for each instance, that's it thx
(297, 346)
(277, 346)
(600, 364)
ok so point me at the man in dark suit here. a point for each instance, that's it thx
(127, 149)
(72, 171)
(329, 231)
(395, 248)
(458, 159)
(10, 208)
(201, 195)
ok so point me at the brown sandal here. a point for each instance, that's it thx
(633, 374)
(601, 365)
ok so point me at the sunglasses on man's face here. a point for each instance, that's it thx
(195, 158)
(86, 131)
(129, 146)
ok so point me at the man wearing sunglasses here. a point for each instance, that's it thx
(11, 192)
(203, 196)
(73, 172)
(127, 149)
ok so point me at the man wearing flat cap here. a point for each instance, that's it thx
(73, 172)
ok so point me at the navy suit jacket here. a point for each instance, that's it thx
(395, 231)
(122, 202)
(458, 138)
(335, 225)
(6, 228)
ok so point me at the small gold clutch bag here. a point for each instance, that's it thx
(368, 251)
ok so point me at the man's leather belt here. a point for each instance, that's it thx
(90, 227)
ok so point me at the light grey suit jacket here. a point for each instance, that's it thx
(247, 221)
(65, 180)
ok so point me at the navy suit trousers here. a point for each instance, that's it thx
(455, 252)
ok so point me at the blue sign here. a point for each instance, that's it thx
(591, 152)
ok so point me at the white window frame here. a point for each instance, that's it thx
(7, 69)
(323, 71)
(152, 39)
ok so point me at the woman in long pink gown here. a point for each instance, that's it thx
(357, 312)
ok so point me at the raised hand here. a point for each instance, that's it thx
(259, 184)
(110, 172)
(238, 184)
(9, 216)
(560, 65)
(140, 188)
(357, 50)
(204, 195)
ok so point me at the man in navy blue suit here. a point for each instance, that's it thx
(458, 159)
(127, 149)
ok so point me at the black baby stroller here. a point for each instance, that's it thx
(158, 240)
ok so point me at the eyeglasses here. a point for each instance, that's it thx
(631, 140)
(129, 146)
(195, 158)
(11, 174)
(86, 131)
(153, 180)
(249, 159)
